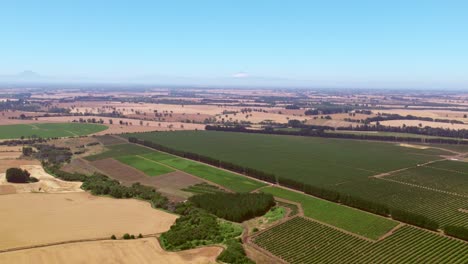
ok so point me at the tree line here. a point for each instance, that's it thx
(323, 131)
(99, 184)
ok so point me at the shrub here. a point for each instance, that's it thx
(113, 237)
(17, 175)
(234, 253)
(126, 236)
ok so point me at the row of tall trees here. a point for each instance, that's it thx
(324, 131)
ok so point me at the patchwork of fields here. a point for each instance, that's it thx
(49, 130)
(304, 241)
(347, 166)
(154, 163)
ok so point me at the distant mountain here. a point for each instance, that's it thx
(28, 75)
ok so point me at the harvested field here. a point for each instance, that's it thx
(140, 251)
(133, 124)
(119, 171)
(9, 163)
(32, 219)
(47, 183)
(10, 155)
(330, 123)
(400, 123)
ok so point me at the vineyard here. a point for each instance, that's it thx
(449, 176)
(344, 166)
(300, 240)
(352, 220)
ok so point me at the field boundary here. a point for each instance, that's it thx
(69, 242)
(175, 169)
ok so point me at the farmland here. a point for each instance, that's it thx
(449, 176)
(349, 219)
(316, 161)
(49, 130)
(147, 166)
(154, 163)
(140, 251)
(346, 166)
(31, 218)
(119, 150)
(304, 241)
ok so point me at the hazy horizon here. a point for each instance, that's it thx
(301, 44)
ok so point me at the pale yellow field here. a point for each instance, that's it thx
(442, 114)
(29, 219)
(399, 123)
(140, 251)
(47, 183)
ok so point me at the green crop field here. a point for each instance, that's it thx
(343, 165)
(450, 176)
(318, 161)
(49, 130)
(114, 151)
(154, 163)
(224, 178)
(303, 241)
(149, 167)
(352, 220)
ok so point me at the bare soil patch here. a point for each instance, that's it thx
(169, 184)
(412, 146)
(79, 165)
(140, 251)
(32, 219)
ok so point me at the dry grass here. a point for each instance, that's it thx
(141, 251)
(399, 123)
(47, 183)
(33, 219)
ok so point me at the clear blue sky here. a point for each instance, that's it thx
(400, 43)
